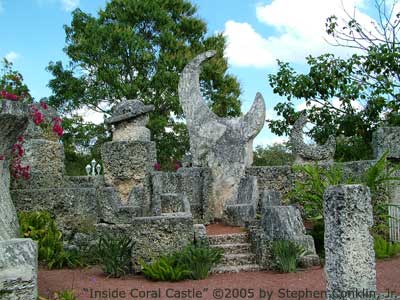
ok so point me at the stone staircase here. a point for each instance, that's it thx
(237, 253)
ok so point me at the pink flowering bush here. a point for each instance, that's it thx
(55, 125)
(12, 88)
(17, 169)
(8, 96)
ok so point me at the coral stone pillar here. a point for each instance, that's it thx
(13, 121)
(18, 257)
(349, 249)
(130, 157)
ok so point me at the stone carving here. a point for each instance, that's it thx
(244, 210)
(130, 118)
(129, 158)
(306, 153)
(223, 145)
(349, 247)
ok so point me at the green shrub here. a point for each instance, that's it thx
(287, 255)
(200, 259)
(385, 249)
(193, 262)
(40, 227)
(309, 192)
(165, 268)
(114, 253)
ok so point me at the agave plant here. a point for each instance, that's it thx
(114, 254)
(287, 255)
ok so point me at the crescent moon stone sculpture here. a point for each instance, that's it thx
(221, 144)
(305, 153)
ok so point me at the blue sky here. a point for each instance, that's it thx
(258, 33)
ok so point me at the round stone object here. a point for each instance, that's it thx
(128, 110)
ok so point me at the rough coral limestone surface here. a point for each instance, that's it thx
(224, 145)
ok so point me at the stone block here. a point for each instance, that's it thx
(127, 165)
(154, 236)
(71, 207)
(18, 269)
(386, 139)
(270, 198)
(282, 222)
(239, 214)
(46, 161)
(192, 183)
(173, 203)
(349, 252)
(309, 261)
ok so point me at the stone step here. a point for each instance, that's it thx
(236, 269)
(238, 259)
(233, 238)
(236, 248)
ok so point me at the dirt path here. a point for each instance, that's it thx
(252, 285)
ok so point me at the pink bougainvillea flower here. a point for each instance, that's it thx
(18, 150)
(157, 166)
(2, 157)
(8, 96)
(38, 117)
(21, 139)
(44, 105)
(177, 165)
(57, 127)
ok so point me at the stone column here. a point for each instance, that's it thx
(130, 157)
(13, 121)
(18, 257)
(388, 139)
(349, 252)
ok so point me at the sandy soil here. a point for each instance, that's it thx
(88, 283)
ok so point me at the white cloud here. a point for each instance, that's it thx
(12, 56)
(69, 5)
(299, 27)
(245, 46)
(90, 116)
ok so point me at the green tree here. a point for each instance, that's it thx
(272, 155)
(136, 49)
(366, 85)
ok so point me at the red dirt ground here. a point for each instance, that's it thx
(388, 277)
(217, 228)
